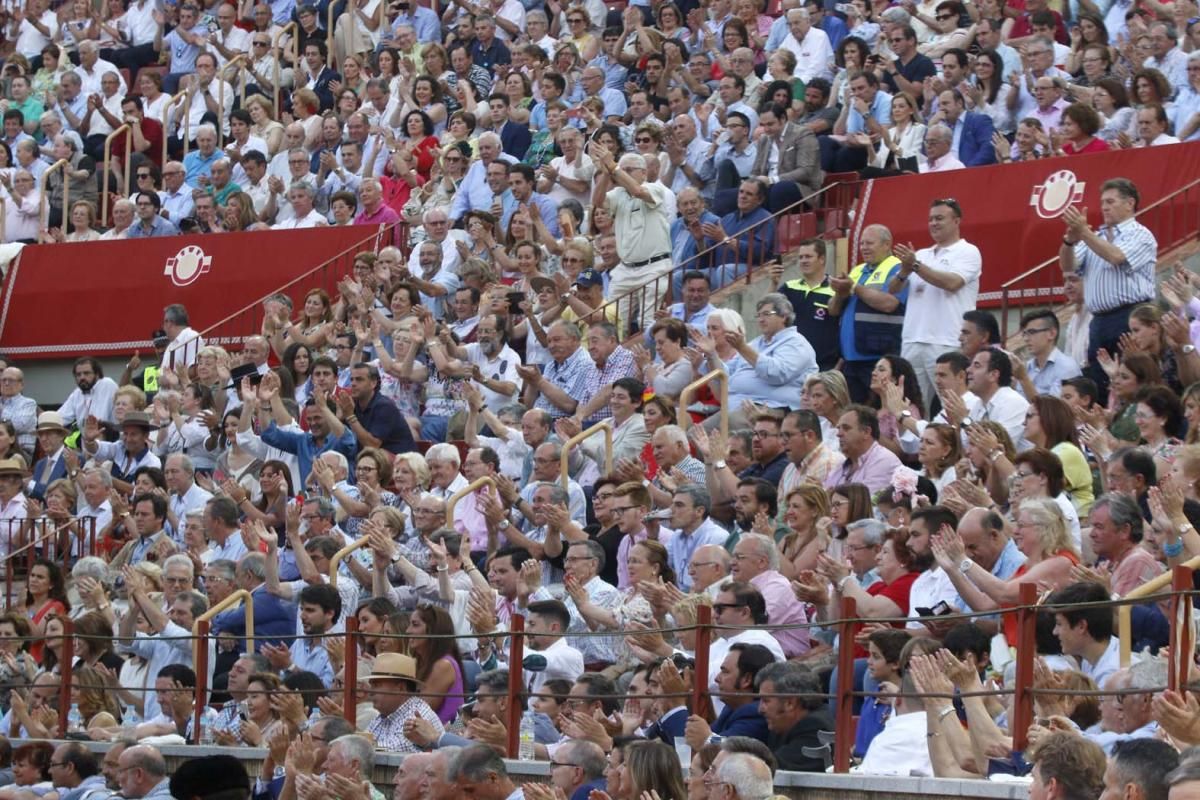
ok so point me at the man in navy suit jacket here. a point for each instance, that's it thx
(972, 130)
(51, 434)
(735, 688)
(317, 76)
(514, 139)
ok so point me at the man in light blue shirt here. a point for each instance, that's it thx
(424, 22)
(1048, 367)
(150, 223)
(690, 507)
(595, 85)
(320, 605)
(988, 544)
(615, 73)
(734, 157)
(475, 192)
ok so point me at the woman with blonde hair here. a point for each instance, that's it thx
(939, 453)
(307, 110)
(1041, 534)
(806, 505)
(239, 214)
(96, 701)
(826, 394)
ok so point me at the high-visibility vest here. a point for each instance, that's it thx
(877, 333)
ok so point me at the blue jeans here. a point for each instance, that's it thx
(433, 428)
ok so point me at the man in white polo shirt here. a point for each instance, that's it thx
(942, 283)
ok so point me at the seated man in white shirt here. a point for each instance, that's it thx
(939, 140)
(545, 621)
(302, 197)
(901, 748)
(1152, 127)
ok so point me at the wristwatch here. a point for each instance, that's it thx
(965, 565)
(504, 524)
(1187, 349)
(905, 414)
(719, 465)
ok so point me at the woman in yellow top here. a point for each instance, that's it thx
(1049, 423)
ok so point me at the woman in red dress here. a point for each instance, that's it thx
(45, 595)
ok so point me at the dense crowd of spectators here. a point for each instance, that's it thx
(882, 443)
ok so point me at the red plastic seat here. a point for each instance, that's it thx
(794, 229)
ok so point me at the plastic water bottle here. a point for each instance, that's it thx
(74, 720)
(208, 724)
(314, 717)
(130, 719)
(526, 751)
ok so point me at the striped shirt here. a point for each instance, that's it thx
(1109, 286)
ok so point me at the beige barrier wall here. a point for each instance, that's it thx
(795, 785)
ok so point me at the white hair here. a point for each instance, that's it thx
(748, 775)
(765, 546)
(673, 434)
(802, 13)
(489, 137)
(338, 460)
(206, 128)
(183, 560)
(443, 452)
(730, 320)
(632, 161)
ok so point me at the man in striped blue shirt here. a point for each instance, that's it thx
(1117, 264)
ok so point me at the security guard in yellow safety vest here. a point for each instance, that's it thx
(871, 319)
(811, 296)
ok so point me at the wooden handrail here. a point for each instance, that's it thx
(242, 84)
(279, 55)
(1125, 615)
(167, 106)
(486, 480)
(685, 399)
(128, 131)
(44, 213)
(569, 444)
(233, 599)
(340, 556)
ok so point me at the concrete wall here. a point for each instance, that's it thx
(796, 785)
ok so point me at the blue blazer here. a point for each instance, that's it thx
(515, 139)
(39, 489)
(745, 720)
(274, 620)
(975, 145)
(670, 729)
(322, 90)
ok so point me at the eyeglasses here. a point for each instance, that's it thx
(643, 140)
(1025, 474)
(765, 435)
(144, 175)
(766, 312)
(261, 44)
(623, 509)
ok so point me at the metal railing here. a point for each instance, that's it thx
(201, 629)
(1025, 689)
(166, 122)
(605, 427)
(341, 555)
(44, 544)
(1125, 614)
(62, 165)
(1173, 218)
(291, 27)
(640, 303)
(108, 140)
(247, 321)
(689, 393)
(486, 480)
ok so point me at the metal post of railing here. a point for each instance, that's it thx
(350, 672)
(239, 596)
(128, 131)
(202, 632)
(10, 564)
(340, 556)
(516, 674)
(167, 106)
(604, 426)
(1124, 615)
(330, 54)
(44, 213)
(685, 399)
(3, 217)
(845, 686)
(65, 673)
(278, 57)
(486, 480)
(1182, 644)
(1026, 645)
(704, 634)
